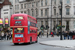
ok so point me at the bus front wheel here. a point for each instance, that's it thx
(36, 40)
(30, 40)
(15, 43)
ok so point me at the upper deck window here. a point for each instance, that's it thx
(18, 17)
(31, 19)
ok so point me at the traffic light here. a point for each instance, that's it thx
(47, 27)
(42, 27)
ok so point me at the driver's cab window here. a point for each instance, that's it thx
(19, 30)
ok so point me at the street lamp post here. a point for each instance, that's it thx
(57, 21)
(51, 18)
(61, 22)
(47, 28)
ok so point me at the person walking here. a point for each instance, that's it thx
(2, 34)
(52, 34)
(7, 36)
(70, 34)
(64, 33)
(11, 34)
(73, 35)
(40, 34)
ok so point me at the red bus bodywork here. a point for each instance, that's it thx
(26, 26)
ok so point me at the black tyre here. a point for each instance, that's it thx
(36, 40)
(30, 40)
(15, 43)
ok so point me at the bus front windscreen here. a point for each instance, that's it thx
(18, 30)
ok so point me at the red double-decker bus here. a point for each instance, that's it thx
(24, 28)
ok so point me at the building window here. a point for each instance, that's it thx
(45, 2)
(5, 12)
(16, 7)
(74, 10)
(54, 1)
(28, 12)
(41, 2)
(67, 11)
(32, 4)
(67, 1)
(29, 5)
(21, 6)
(24, 5)
(54, 11)
(32, 13)
(16, 12)
(46, 12)
(74, 24)
(25, 12)
(37, 4)
(21, 11)
(46, 22)
(36, 12)
(41, 22)
(42, 12)
(59, 11)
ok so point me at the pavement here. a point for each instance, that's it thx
(60, 43)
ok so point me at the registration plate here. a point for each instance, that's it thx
(18, 35)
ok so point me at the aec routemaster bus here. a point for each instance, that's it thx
(24, 28)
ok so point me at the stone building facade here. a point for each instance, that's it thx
(41, 9)
(6, 10)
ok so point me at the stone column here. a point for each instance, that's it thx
(71, 25)
(43, 12)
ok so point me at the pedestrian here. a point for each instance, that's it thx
(57, 33)
(2, 34)
(40, 34)
(52, 34)
(7, 36)
(65, 34)
(70, 34)
(73, 35)
(11, 34)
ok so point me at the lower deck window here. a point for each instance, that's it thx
(19, 30)
(32, 31)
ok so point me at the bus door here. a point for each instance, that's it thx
(33, 33)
